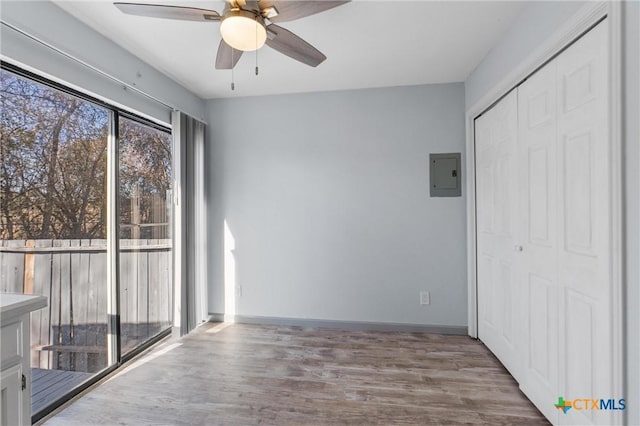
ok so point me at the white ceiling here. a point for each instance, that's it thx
(367, 43)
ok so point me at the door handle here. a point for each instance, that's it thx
(518, 248)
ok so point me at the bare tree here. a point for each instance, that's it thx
(53, 174)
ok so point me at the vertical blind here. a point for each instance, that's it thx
(190, 261)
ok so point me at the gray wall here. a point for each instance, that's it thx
(53, 25)
(536, 23)
(327, 198)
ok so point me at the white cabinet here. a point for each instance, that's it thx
(11, 389)
(15, 369)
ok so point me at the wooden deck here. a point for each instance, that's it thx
(49, 385)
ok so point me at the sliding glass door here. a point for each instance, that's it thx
(145, 232)
(58, 234)
(53, 155)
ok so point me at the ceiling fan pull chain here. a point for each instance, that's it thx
(257, 45)
(233, 86)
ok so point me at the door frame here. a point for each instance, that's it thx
(589, 15)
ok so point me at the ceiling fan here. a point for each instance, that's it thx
(246, 25)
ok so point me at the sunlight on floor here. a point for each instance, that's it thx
(218, 328)
(229, 275)
(146, 359)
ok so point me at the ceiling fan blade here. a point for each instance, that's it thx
(287, 43)
(168, 12)
(290, 10)
(227, 57)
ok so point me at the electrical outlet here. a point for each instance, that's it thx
(425, 299)
(238, 290)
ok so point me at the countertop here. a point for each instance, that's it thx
(14, 305)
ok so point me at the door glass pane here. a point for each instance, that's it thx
(145, 232)
(53, 228)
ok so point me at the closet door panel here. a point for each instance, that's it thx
(584, 224)
(537, 165)
(496, 133)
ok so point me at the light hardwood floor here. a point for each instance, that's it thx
(247, 374)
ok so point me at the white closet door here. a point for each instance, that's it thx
(584, 225)
(543, 188)
(496, 133)
(563, 159)
(538, 168)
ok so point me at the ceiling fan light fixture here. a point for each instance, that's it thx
(243, 30)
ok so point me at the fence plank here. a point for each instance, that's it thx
(128, 295)
(75, 293)
(98, 278)
(29, 264)
(142, 279)
(154, 281)
(89, 302)
(56, 300)
(66, 304)
(89, 291)
(167, 284)
(11, 268)
(165, 272)
(40, 319)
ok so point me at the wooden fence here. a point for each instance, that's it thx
(70, 334)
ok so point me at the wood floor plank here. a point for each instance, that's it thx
(249, 374)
